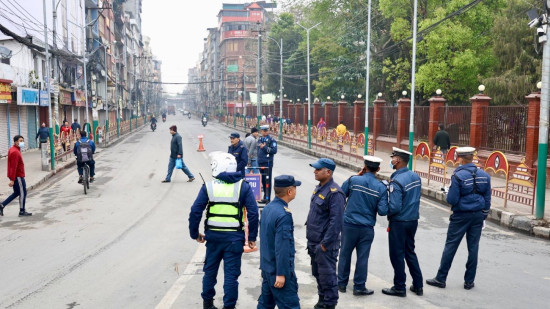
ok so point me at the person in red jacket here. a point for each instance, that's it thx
(16, 174)
(65, 128)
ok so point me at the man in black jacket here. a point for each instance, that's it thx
(176, 152)
(442, 139)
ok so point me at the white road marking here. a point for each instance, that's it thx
(195, 264)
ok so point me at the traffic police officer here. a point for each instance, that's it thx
(267, 148)
(324, 224)
(470, 199)
(366, 196)
(238, 150)
(279, 284)
(403, 214)
(224, 197)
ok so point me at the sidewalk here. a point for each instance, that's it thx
(515, 216)
(34, 176)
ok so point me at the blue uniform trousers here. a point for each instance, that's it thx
(469, 223)
(266, 178)
(401, 242)
(172, 165)
(285, 297)
(230, 253)
(323, 268)
(360, 239)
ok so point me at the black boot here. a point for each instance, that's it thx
(320, 303)
(330, 306)
(208, 304)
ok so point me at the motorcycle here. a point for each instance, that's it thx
(153, 126)
(189, 115)
(204, 121)
(163, 119)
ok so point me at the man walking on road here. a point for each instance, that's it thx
(367, 196)
(323, 227)
(470, 199)
(16, 174)
(404, 203)
(277, 251)
(224, 198)
(238, 150)
(176, 152)
(251, 144)
(267, 148)
(442, 139)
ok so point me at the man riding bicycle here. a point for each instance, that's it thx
(84, 150)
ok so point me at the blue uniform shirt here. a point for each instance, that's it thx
(241, 155)
(366, 197)
(461, 192)
(404, 198)
(246, 199)
(267, 153)
(326, 212)
(277, 249)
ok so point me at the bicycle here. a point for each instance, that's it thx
(86, 177)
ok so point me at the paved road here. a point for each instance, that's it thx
(126, 244)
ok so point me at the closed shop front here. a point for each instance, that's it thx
(27, 102)
(65, 106)
(32, 122)
(5, 99)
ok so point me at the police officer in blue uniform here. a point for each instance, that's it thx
(323, 227)
(403, 214)
(224, 199)
(239, 151)
(366, 196)
(267, 148)
(470, 199)
(277, 251)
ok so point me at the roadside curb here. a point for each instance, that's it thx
(519, 223)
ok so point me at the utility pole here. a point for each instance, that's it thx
(106, 99)
(367, 82)
(281, 93)
(54, 58)
(47, 80)
(244, 98)
(413, 74)
(308, 87)
(259, 78)
(116, 96)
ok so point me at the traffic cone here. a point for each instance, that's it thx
(201, 146)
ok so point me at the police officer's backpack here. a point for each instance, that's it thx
(84, 153)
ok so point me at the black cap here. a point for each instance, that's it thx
(284, 181)
(253, 130)
(235, 135)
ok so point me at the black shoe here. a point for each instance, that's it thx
(363, 292)
(263, 201)
(224, 307)
(208, 304)
(418, 291)
(25, 214)
(393, 292)
(320, 303)
(1, 210)
(191, 179)
(437, 283)
(165, 181)
(92, 179)
(80, 179)
(468, 286)
(342, 289)
(330, 306)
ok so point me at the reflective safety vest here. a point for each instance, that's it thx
(224, 212)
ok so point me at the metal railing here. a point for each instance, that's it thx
(505, 128)
(389, 121)
(456, 120)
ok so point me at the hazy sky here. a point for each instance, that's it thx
(177, 29)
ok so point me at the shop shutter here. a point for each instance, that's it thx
(32, 127)
(24, 125)
(4, 138)
(14, 122)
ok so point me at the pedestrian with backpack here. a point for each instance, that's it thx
(84, 150)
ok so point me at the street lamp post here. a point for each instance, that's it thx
(367, 81)
(411, 120)
(281, 87)
(47, 77)
(308, 87)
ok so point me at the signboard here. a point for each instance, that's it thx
(254, 180)
(78, 98)
(232, 68)
(27, 96)
(44, 98)
(5, 91)
(55, 88)
(65, 98)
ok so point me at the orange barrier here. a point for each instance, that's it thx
(201, 146)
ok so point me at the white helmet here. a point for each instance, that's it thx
(222, 162)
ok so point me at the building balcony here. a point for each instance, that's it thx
(236, 34)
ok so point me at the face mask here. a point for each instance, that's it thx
(391, 165)
(21, 144)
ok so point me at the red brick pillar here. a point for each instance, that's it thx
(286, 108)
(315, 113)
(533, 118)
(358, 127)
(296, 120)
(403, 116)
(378, 121)
(479, 118)
(341, 106)
(328, 104)
(435, 117)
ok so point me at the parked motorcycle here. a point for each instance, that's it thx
(204, 121)
(153, 126)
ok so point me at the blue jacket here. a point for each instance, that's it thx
(43, 133)
(366, 197)
(326, 212)
(267, 153)
(246, 199)
(461, 192)
(241, 155)
(83, 139)
(405, 188)
(277, 249)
